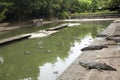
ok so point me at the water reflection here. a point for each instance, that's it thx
(51, 71)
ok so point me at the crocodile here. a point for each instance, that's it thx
(94, 47)
(102, 35)
(117, 35)
(96, 65)
(110, 38)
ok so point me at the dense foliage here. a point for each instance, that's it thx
(4, 9)
(25, 9)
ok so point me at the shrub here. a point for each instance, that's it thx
(63, 15)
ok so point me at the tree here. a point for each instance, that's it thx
(4, 9)
(94, 5)
(115, 5)
(103, 4)
(20, 9)
(28, 9)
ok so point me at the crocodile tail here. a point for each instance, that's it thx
(114, 69)
(111, 68)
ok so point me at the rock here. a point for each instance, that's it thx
(1, 60)
(55, 72)
(48, 51)
(41, 47)
(58, 44)
(27, 52)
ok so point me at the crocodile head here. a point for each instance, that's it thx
(83, 64)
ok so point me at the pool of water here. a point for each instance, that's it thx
(46, 58)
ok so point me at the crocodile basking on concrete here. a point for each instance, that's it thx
(99, 47)
(113, 39)
(96, 65)
(102, 35)
(117, 35)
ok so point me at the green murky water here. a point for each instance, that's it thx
(46, 58)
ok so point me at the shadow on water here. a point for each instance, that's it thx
(46, 58)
